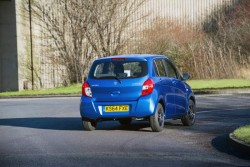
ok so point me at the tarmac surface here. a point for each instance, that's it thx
(48, 132)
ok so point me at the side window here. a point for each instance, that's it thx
(171, 70)
(159, 68)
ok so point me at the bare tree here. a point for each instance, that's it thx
(63, 22)
(82, 30)
(109, 22)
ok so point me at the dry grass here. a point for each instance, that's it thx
(244, 73)
(220, 54)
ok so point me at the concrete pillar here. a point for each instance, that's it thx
(8, 47)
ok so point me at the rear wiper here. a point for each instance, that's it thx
(115, 77)
(112, 76)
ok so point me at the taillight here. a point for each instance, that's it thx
(86, 91)
(147, 87)
(118, 59)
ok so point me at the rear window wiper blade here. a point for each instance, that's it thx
(111, 76)
(118, 79)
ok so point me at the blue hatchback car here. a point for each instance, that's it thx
(136, 87)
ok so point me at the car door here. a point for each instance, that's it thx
(179, 87)
(164, 86)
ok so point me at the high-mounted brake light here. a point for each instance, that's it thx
(86, 90)
(118, 59)
(147, 87)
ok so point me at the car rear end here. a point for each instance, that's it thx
(118, 87)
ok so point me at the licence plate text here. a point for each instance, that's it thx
(122, 108)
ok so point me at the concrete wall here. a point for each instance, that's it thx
(183, 11)
(8, 47)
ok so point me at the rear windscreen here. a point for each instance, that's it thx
(119, 69)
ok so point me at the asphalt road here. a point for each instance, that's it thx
(48, 132)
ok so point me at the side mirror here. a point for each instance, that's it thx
(186, 76)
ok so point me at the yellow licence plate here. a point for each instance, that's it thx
(122, 108)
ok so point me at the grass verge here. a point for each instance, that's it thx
(72, 89)
(243, 134)
(219, 84)
(195, 84)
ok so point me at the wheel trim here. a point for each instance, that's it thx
(160, 117)
(191, 112)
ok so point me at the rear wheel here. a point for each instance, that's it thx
(157, 120)
(189, 119)
(125, 121)
(89, 125)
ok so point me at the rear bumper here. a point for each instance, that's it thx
(143, 107)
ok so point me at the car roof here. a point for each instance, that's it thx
(136, 56)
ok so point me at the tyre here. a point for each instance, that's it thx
(125, 121)
(157, 120)
(189, 119)
(89, 125)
